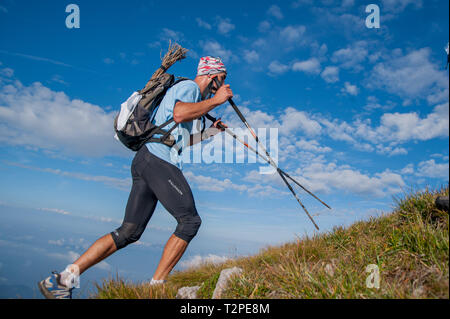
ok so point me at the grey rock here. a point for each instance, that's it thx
(442, 203)
(224, 278)
(187, 292)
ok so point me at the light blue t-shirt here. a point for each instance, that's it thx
(186, 91)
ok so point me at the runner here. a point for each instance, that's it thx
(157, 176)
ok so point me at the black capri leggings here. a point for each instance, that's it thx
(155, 179)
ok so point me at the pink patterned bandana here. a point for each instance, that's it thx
(210, 65)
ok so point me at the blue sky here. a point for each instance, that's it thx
(362, 116)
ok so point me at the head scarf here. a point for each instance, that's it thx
(210, 65)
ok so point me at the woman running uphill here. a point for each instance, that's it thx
(157, 177)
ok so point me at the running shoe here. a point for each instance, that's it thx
(51, 288)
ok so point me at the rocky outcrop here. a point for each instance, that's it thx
(223, 281)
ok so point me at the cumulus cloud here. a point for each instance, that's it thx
(326, 177)
(251, 56)
(408, 169)
(39, 117)
(293, 121)
(309, 66)
(275, 67)
(351, 57)
(224, 26)
(432, 169)
(350, 89)
(8, 72)
(292, 33)
(312, 146)
(275, 11)
(213, 184)
(412, 76)
(321, 177)
(214, 48)
(330, 74)
(401, 127)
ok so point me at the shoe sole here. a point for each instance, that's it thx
(47, 294)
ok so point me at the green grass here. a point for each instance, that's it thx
(410, 246)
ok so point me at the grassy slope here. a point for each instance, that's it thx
(410, 247)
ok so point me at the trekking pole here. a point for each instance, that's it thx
(230, 132)
(238, 112)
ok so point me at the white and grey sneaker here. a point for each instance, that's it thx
(51, 287)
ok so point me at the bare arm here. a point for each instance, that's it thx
(186, 112)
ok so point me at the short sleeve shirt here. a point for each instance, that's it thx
(185, 91)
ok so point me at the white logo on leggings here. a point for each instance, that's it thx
(176, 188)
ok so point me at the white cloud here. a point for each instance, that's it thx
(58, 242)
(394, 129)
(412, 76)
(309, 66)
(432, 169)
(398, 6)
(330, 74)
(351, 57)
(326, 177)
(264, 26)
(275, 11)
(174, 36)
(214, 48)
(251, 56)
(58, 79)
(8, 72)
(292, 33)
(203, 24)
(390, 150)
(69, 257)
(198, 260)
(401, 127)
(350, 89)
(213, 184)
(276, 67)
(39, 117)
(408, 169)
(225, 26)
(348, 3)
(56, 210)
(103, 265)
(321, 177)
(299, 3)
(293, 120)
(373, 104)
(312, 146)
